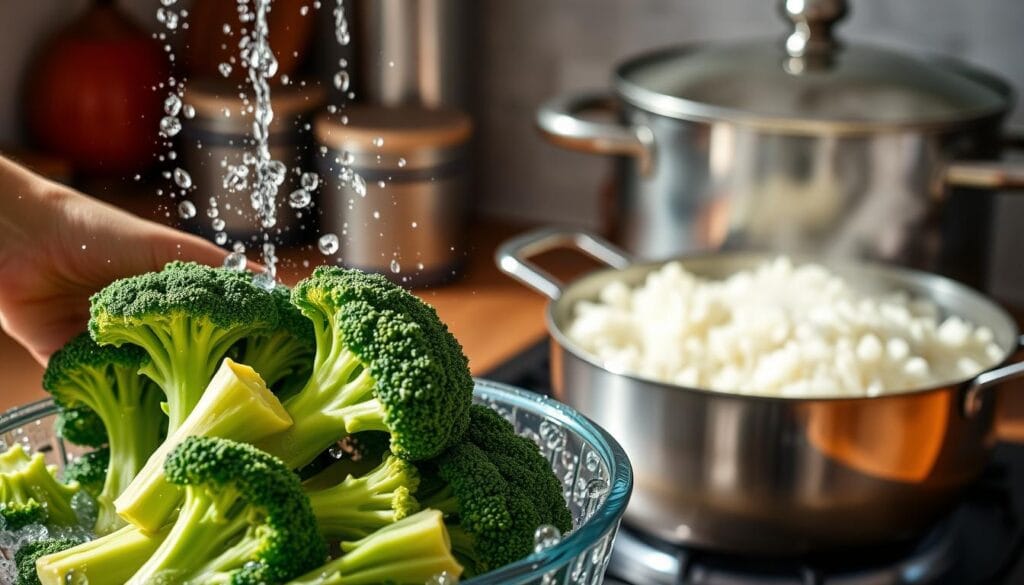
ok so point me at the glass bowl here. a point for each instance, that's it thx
(592, 466)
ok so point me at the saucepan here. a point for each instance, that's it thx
(808, 144)
(770, 475)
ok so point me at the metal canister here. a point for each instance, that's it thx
(221, 133)
(396, 190)
(414, 52)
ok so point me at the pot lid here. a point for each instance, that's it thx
(810, 81)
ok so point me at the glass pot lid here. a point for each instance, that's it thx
(810, 81)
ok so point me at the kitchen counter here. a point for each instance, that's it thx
(493, 316)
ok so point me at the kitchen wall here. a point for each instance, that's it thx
(531, 50)
(535, 49)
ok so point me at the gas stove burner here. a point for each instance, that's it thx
(640, 559)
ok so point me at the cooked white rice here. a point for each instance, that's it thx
(778, 330)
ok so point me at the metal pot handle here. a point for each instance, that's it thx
(974, 393)
(512, 256)
(990, 174)
(559, 121)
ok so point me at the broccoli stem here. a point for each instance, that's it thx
(359, 506)
(337, 399)
(132, 438)
(265, 353)
(29, 491)
(236, 405)
(408, 552)
(183, 358)
(109, 560)
(205, 524)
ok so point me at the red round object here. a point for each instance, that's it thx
(91, 98)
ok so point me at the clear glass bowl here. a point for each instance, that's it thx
(593, 468)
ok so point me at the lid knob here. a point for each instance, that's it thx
(812, 25)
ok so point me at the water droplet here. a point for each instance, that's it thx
(168, 17)
(235, 261)
(395, 266)
(238, 247)
(309, 181)
(187, 210)
(546, 536)
(276, 171)
(401, 163)
(359, 185)
(442, 578)
(170, 126)
(168, 2)
(182, 178)
(331, 109)
(217, 224)
(225, 69)
(172, 105)
(299, 199)
(592, 461)
(304, 10)
(226, 29)
(341, 80)
(328, 244)
(188, 111)
(220, 238)
(414, 225)
(212, 212)
(265, 280)
(378, 141)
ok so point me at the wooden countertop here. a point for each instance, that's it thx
(493, 316)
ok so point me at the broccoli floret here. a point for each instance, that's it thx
(108, 560)
(186, 317)
(244, 519)
(236, 405)
(284, 355)
(408, 552)
(89, 470)
(360, 505)
(25, 558)
(381, 364)
(105, 380)
(30, 492)
(521, 464)
(80, 425)
(495, 490)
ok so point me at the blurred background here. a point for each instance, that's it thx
(511, 56)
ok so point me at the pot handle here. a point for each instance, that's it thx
(990, 174)
(560, 122)
(513, 256)
(974, 394)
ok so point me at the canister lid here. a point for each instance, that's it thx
(810, 81)
(393, 130)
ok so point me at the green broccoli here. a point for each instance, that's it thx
(25, 558)
(186, 317)
(108, 560)
(89, 470)
(408, 552)
(283, 355)
(236, 405)
(30, 492)
(105, 380)
(80, 425)
(244, 520)
(382, 363)
(495, 490)
(360, 505)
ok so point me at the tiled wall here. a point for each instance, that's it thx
(535, 49)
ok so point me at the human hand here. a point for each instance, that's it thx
(58, 247)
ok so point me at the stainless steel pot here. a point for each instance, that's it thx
(803, 145)
(772, 475)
